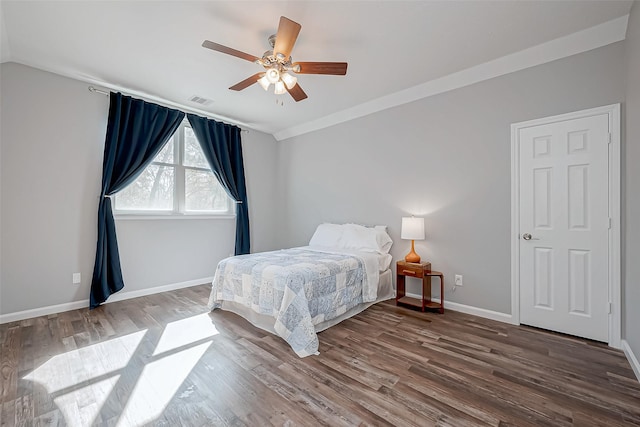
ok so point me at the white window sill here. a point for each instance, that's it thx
(170, 216)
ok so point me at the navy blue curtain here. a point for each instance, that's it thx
(136, 132)
(222, 147)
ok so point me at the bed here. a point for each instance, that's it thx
(296, 293)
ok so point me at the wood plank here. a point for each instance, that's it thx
(9, 359)
(386, 366)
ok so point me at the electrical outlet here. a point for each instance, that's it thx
(458, 279)
(76, 278)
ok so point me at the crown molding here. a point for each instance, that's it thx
(582, 41)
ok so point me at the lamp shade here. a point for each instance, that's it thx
(289, 80)
(272, 75)
(279, 89)
(264, 82)
(412, 228)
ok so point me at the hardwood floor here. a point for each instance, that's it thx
(165, 360)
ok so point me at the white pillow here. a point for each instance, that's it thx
(383, 239)
(365, 239)
(327, 235)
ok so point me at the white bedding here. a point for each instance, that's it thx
(383, 260)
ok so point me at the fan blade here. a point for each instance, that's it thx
(286, 37)
(297, 93)
(224, 49)
(247, 82)
(334, 68)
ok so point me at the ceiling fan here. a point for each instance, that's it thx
(278, 63)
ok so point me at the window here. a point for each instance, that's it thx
(178, 181)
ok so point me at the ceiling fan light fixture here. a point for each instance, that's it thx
(264, 82)
(272, 75)
(278, 66)
(280, 90)
(289, 80)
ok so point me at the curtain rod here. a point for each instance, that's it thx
(102, 92)
(93, 89)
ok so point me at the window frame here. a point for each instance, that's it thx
(178, 210)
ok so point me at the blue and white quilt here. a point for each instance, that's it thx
(299, 287)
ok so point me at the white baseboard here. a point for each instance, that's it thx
(42, 311)
(119, 296)
(633, 360)
(468, 309)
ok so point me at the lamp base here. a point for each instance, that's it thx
(412, 256)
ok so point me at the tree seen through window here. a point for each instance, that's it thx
(178, 180)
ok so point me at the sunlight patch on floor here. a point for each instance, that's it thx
(157, 384)
(81, 407)
(76, 366)
(100, 366)
(186, 331)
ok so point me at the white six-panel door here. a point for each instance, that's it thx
(564, 223)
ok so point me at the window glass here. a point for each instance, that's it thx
(203, 192)
(153, 190)
(178, 180)
(166, 154)
(193, 155)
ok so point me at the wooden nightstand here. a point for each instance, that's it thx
(421, 271)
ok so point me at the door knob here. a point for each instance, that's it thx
(527, 236)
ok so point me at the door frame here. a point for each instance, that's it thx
(615, 312)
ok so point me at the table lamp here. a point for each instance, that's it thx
(412, 229)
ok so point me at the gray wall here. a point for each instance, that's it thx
(52, 144)
(52, 136)
(446, 158)
(632, 184)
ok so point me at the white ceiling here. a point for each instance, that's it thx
(153, 48)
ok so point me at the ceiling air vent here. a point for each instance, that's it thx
(200, 100)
